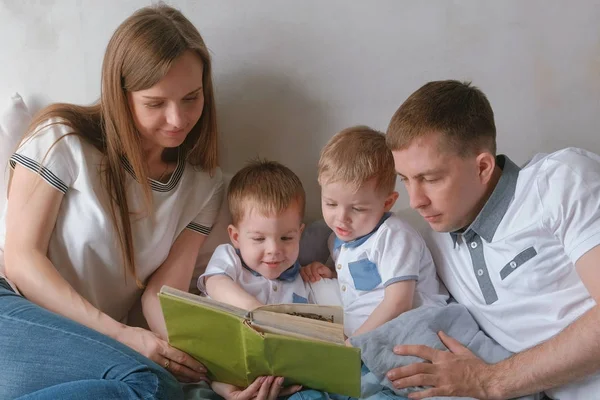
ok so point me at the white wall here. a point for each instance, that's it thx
(289, 74)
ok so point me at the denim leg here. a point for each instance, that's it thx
(310, 394)
(199, 391)
(46, 356)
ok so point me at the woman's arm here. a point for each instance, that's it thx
(176, 271)
(33, 207)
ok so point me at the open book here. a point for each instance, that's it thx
(302, 342)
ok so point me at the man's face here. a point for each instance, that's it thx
(447, 190)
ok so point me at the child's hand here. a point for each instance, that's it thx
(263, 388)
(347, 342)
(314, 271)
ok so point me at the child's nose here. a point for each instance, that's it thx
(273, 247)
(344, 216)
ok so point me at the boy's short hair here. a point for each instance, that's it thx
(460, 112)
(355, 156)
(267, 186)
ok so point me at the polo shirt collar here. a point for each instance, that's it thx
(495, 208)
(287, 276)
(337, 243)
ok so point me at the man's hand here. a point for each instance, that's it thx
(263, 388)
(457, 372)
(314, 271)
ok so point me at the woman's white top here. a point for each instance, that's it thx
(83, 246)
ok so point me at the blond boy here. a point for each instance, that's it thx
(382, 264)
(266, 200)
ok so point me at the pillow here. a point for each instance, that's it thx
(14, 121)
(313, 243)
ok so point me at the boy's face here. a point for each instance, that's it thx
(269, 245)
(352, 213)
(444, 188)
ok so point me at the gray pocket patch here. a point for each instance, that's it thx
(516, 262)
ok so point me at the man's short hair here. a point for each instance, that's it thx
(458, 111)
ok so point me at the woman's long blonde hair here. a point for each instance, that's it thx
(139, 55)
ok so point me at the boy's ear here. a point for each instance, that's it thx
(234, 236)
(302, 226)
(390, 201)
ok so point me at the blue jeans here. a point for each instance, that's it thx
(46, 356)
(371, 389)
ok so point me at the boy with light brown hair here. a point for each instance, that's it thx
(260, 266)
(382, 264)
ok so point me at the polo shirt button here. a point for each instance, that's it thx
(343, 288)
(339, 266)
(274, 288)
(513, 264)
(480, 272)
(473, 245)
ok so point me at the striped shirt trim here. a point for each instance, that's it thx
(156, 185)
(44, 172)
(401, 279)
(205, 230)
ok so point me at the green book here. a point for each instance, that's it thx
(302, 342)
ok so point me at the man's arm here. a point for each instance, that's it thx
(572, 354)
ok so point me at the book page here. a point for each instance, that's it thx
(313, 311)
(276, 322)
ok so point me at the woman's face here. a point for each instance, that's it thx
(165, 113)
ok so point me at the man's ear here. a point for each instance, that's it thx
(486, 163)
(390, 201)
(234, 236)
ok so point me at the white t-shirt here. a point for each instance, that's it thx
(393, 252)
(83, 246)
(514, 267)
(288, 288)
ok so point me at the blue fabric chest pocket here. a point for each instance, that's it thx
(299, 299)
(365, 274)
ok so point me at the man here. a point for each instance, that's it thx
(517, 247)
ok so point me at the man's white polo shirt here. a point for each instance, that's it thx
(513, 268)
(392, 252)
(288, 288)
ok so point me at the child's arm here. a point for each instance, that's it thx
(222, 288)
(398, 298)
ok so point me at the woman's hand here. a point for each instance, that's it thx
(263, 388)
(184, 367)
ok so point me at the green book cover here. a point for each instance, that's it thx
(238, 346)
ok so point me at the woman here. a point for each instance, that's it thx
(108, 203)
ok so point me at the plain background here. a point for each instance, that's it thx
(290, 74)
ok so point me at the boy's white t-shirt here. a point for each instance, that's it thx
(83, 246)
(391, 253)
(288, 288)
